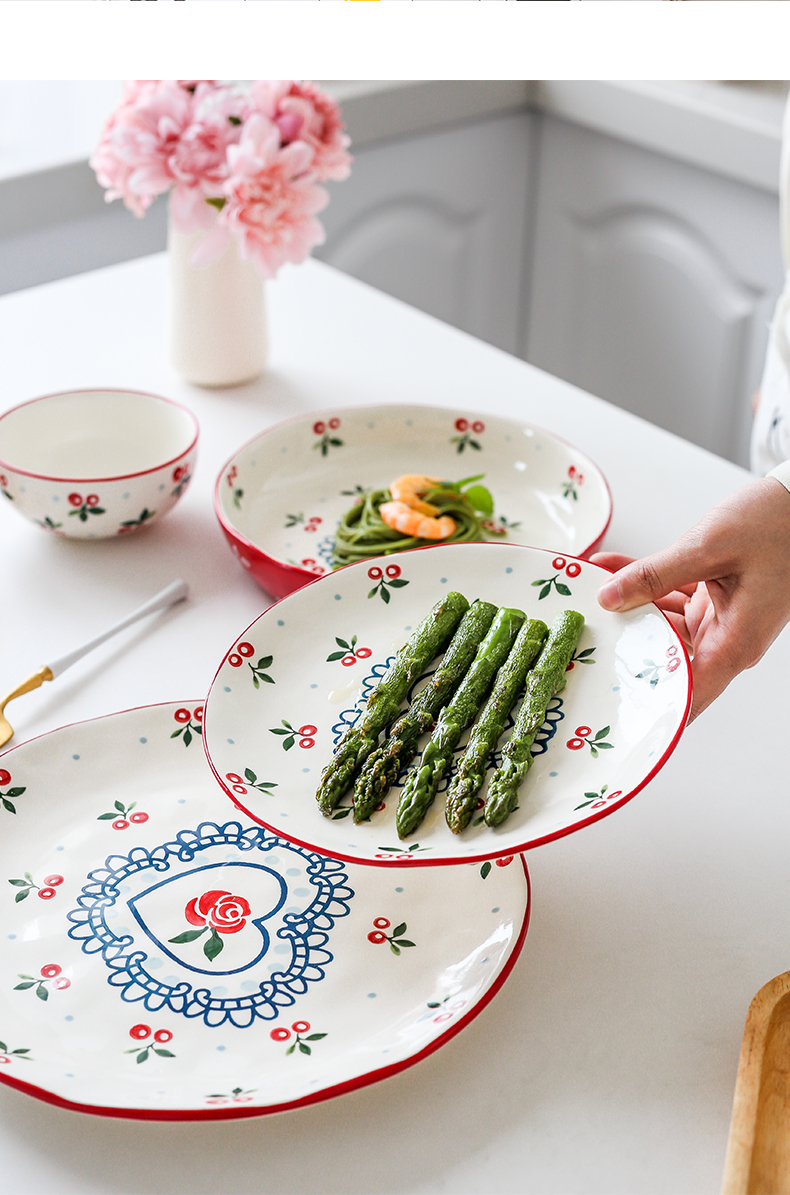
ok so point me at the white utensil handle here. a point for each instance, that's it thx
(175, 592)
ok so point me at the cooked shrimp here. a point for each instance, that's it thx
(404, 518)
(408, 489)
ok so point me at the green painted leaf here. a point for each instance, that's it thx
(485, 869)
(188, 935)
(398, 583)
(305, 1049)
(105, 817)
(187, 737)
(404, 942)
(176, 733)
(7, 805)
(542, 581)
(20, 883)
(545, 591)
(265, 662)
(42, 992)
(394, 948)
(213, 946)
(373, 591)
(21, 896)
(315, 1037)
(399, 929)
(21, 987)
(290, 1049)
(563, 589)
(248, 772)
(162, 1053)
(384, 594)
(141, 1057)
(602, 733)
(15, 792)
(255, 681)
(336, 655)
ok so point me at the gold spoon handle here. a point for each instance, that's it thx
(32, 682)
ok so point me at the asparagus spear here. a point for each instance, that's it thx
(424, 779)
(462, 793)
(546, 679)
(381, 769)
(430, 637)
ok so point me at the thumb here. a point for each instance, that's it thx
(652, 578)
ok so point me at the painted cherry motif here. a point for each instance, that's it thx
(28, 885)
(142, 1033)
(126, 816)
(290, 734)
(583, 738)
(299, 1028)
(395, 939)
(243, 653)
(182, 478)
(313, 523)
(188, 727)
(85, 506)
(574, 480)
(599, 799)
(8, 1056)
(5, 798)
(465, 440)
(503, 861)
(571, 569)
(386, 579)
(239, 784)
(324, 430)
(50, 973)
(652, 670)
(237, 1096)
(349, 653)
(313, 566)
(216, 912)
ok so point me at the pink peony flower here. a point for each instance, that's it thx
(304, 113)
(232, 164)
(131, 159)
(271, 201)
(198, 161)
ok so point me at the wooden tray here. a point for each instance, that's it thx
(758, 1149)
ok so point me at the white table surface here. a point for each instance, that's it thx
(607, 1062)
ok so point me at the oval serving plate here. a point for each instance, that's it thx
(163, 960)
(280, 498)
(295, 679)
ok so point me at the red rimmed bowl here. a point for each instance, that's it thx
(89, 464)
(280, 498)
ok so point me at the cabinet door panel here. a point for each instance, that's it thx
(653, 285)
(439, 221)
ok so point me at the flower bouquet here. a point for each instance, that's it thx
(243, 167)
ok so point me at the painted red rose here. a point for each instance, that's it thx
(222, 911)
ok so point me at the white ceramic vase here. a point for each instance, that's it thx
(217, 315)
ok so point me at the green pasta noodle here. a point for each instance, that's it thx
(363, 533)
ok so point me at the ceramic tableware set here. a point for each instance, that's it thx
(187, 939)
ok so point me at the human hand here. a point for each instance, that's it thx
(724, 585)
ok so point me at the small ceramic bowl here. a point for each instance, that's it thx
(280, 498)
(90, 464)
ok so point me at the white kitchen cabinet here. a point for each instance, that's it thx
(440, 220)
(653, 283)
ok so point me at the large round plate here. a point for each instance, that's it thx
(280, 498)
(324, 647)
(299, 978)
